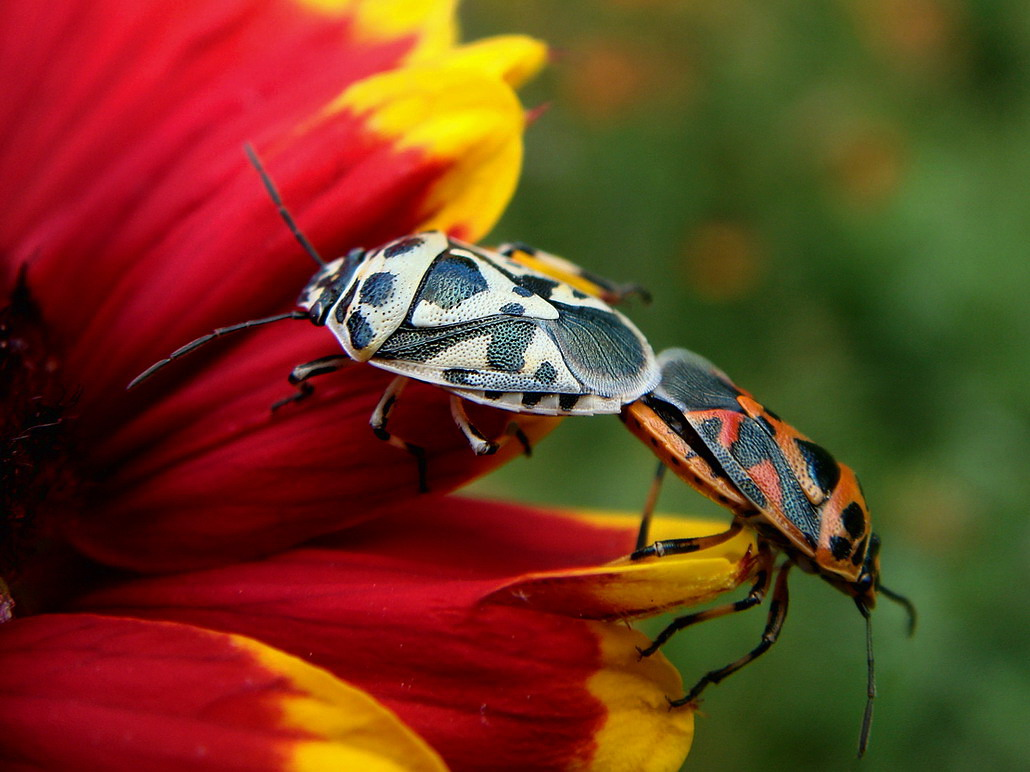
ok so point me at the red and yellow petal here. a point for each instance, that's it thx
(385, 128)
(405, 608)
(455, 114)
(133, 252)
(87, 692)
(414, 148)
(634, 736)
(164, 88)
(630, 589)
(431, 23)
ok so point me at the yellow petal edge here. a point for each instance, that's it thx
(356, 731)
(462, 115)
(640, 732)
(633, 589)
(432, 23)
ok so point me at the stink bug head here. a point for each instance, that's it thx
(330, 284)
(845, 540)
(863, 588)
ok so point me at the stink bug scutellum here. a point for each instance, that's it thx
(792, 492)
(516, 329)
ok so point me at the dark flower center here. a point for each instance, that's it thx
(36, 459)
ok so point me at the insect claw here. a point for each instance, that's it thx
(423, 469)
(679, 702)
(648, 651)
(486, 448)
(304, 390)
(527, 449)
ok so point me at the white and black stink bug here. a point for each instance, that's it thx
(516, 329)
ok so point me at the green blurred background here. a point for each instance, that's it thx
(831, 200)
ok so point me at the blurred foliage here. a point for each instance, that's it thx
(831, 201)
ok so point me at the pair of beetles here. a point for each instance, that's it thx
(529, 332)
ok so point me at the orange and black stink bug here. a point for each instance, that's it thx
(791, 491)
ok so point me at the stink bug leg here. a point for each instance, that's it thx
(479, 443)
(649, 504)
(773, 625)
(299, 376)
(762, 580)
(685, 546)
(565, 270)
(381, 416)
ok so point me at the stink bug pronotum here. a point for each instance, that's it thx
(792, 492)
(516, 329)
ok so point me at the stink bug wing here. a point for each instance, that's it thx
(816, 470)
(743, 446)
(604, 350)
(568, 273)
(660, 426)
(832, 487)
(512, 354)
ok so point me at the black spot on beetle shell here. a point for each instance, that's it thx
(451, 281)
(531, 399)
(822, 467)
(567, 401)
(860, 550)
(377, 288)
(546, 373)
(508, 344)
(342, 306)
(840, 547)
(522, 291)
(359, 329)
(853, 518)
(537, 285)
(513, 309)
(457, 376)
(403, 246)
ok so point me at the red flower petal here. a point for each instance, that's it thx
(85, 692)
(371, 125)
(395, 606)
(233, 481)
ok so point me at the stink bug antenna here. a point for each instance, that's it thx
(194, 345)
(901, 600)
(273, 192)
(867, 717)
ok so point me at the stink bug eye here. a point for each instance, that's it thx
(328, 285)
(801, 501)
(523, 334)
